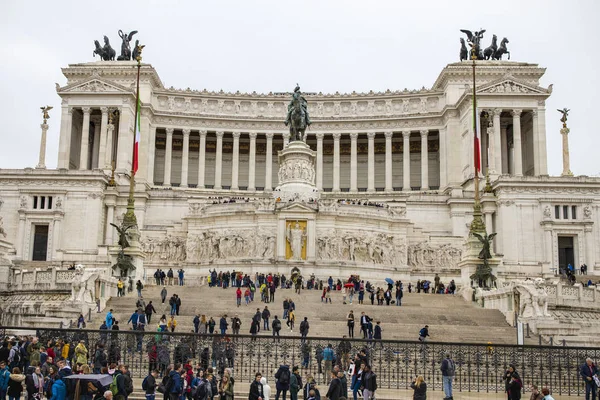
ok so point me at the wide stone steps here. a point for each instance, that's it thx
(449, 317)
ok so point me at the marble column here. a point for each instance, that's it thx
(443, 157)
(235, 162)
(336, 161)
(219, 160)
(516, 114)
(64, 146)
(56, 224)
(95, 145)
(269, 163)
(353, 162)
(201, 159)
(252, 162)
(21, 237)
(168, 157)
(424, 160)
(389, 186)
(108, 157)
(565, 152)
(42, 159)
(542, 151)
(491, 162)
(505, 150)
(497, 141)
(320, 160)
(286, 139)
(536, 143)
(152, 155)
(108, 234)
(371, 162)
(406, 161)
(85, 138)
(103, 133)
(185, 158)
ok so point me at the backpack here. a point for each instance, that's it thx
(17, 356)
(277, 325)
(113, 385)
(450, 368)
(422, 332)
(284, 377)
(199, 392)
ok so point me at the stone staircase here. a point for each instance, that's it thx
(450, 318)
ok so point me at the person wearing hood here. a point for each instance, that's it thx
(282, 381)
(15, 384)
(81, 353)
(109, 319)
(63, 369)
(59, 389)
(266, 388)
(177, 383)
(34, 382)
(4, 379)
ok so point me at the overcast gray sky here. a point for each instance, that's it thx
(326, 46)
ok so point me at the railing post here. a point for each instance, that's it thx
(528, 331)
(551, 341)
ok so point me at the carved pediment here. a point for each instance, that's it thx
(512, 86)
(298, 207)
(94, 85)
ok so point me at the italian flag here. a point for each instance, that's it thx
(477, 143)
(137, 137)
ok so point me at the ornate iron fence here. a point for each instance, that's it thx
(479, 367)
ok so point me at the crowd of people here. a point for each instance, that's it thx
(359, 202)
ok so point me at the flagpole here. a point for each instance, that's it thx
(477, 225)
(130, 218)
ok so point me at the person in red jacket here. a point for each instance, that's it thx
(238, 296)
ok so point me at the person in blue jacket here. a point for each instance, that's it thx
(176, 383)
(4, 377)
(59, 389)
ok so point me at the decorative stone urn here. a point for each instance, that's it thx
(296, 174)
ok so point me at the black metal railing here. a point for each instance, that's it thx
(479, 367)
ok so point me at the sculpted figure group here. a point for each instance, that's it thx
(107, 53)
(492, 52)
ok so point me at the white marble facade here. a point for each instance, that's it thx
(407, 153)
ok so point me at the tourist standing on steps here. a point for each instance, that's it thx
(587, 373)
(177, 304)
(448, 370)
(266, 314)
(109, 319)
(162, 323)
(256, 388)
(291, 319)
(304, 327)
(163, 294)
(172, 305)
(172, 324)
(378, 331)
(419, 387)
(170, 276)
(328, 358)
(423, 333)
(335, 387)
(180, 273)
(350, 319)
(364, 324)
(196, 322)
(276, 326)
(236, 324)
(139, 286)
(223, 324)
(399, 296)
(247, 295)
(286, 304)
(238, 296)
(295, 384)
(149, 311)
(120, 286)
(257, 317)
(211, 325)
(282, 381)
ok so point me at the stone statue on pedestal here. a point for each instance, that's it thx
(483, 274)
(125, 47)
(565, 143)
(565, 113)
(296, 236)
(297, 116)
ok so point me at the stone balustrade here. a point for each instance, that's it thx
(579, 296)
(49, 278)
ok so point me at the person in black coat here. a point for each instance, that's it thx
(420, 388)
(256, 388)
(514, 388)
(510, 373)
(335, 387)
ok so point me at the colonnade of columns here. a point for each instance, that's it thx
(500, 158)
(268, 183)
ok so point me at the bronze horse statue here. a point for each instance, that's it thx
(502, 50)
(106, 53)
(125, 47)
(298, 121)
(490, 51)
(464, 52)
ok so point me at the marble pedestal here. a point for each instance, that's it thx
(296, 174)
(468, 265)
